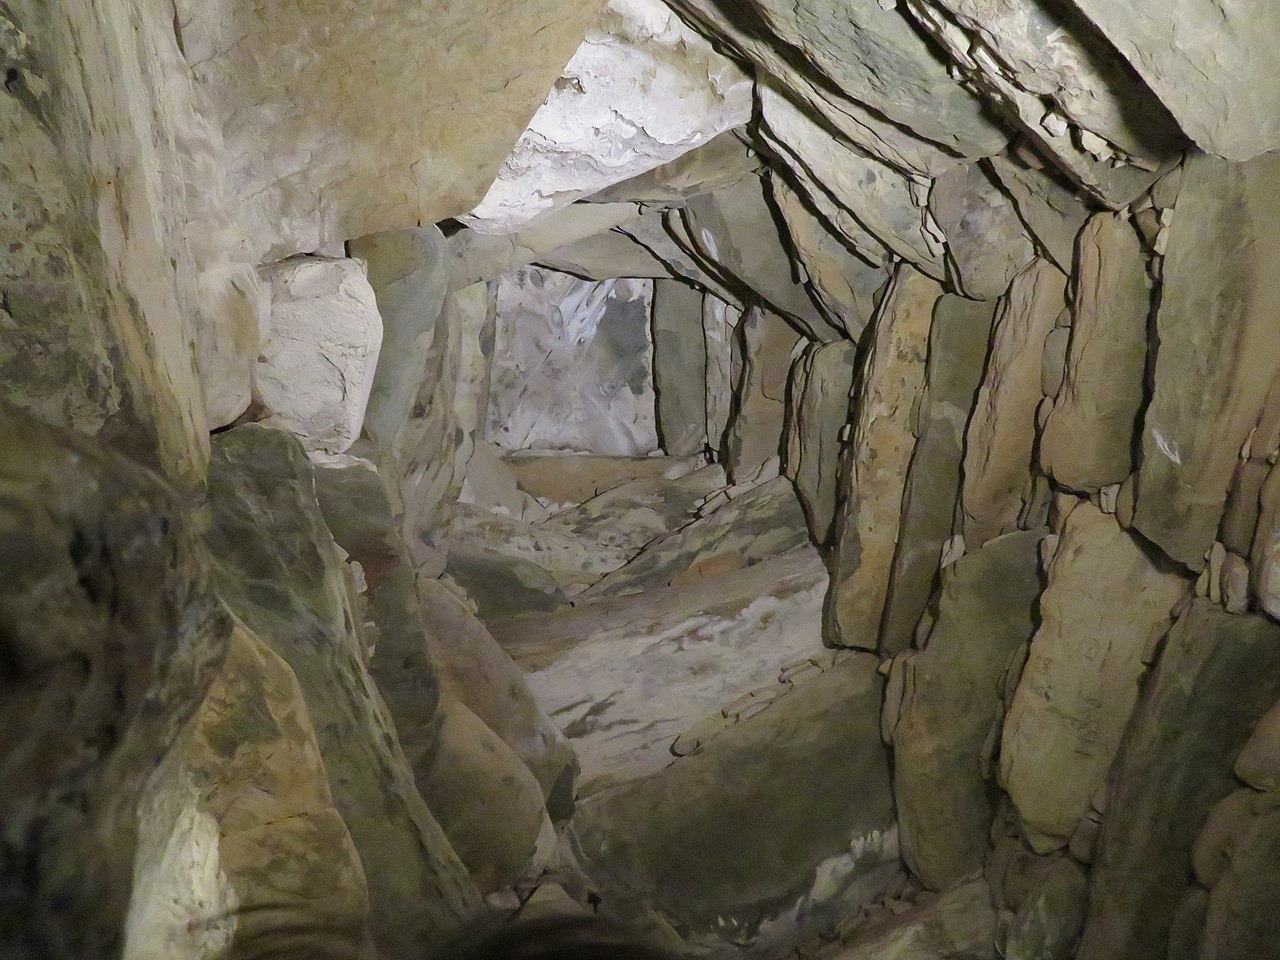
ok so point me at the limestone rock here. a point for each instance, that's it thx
(572, 365)
(641, 90)
(1053, 364)
(104, 161)
(763, 348)
(763, 521)
(884, 201)
(1047, 925)
(1243, 907)
(1106, 605)
(606, 256)
(951, 699)
(626, 676)
(663, 236)
(390, 76)
(1259, 762)
(491, 486)
(821, 382)
(1188, 925)
(475, 256)
(1244, 504)
(505, 562)
(487, 801)
(1204, 62)
(501, 585)
(1219, 349)
(319, 353)
(724, 159)
(474, 310)
(1265, 558)
(408, 272)
(1057, 79)
(107, 623)
(358, 509)
(474, 670)
(845, 285)
(865, 51)
(679, 368)
(242, 800)
(464, 770)
(986, 243)
(278, 569)
(55, 341)
(1053, 213)
(632, 515)
(735, 233)
(1089, 438)
(958, 341)
(568, 479)
(719, 318)
(874, 468)
(774, 819)
(958, 924)
(1002, 434)
(1228, 824)
(1219, 673)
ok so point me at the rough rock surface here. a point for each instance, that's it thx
(680, 368)
(1205, 63)
(1219, 350)
(278, 569)
(950, 698)
(345, 768)
(757, 522)
(1002, 434)
(1047, 924)
(407, 270)
(1219, 673)
(845, 285)
(763, 347)
(1088, 440)
(958, 341)
(1242, 915)
(474, 670)
(959, 923)
(641, 90)
(734, 234)
(390, 77)
(572, 367)
(883, 201)
(106, 162)
(573, 479)
(987, 245)
(1105, 606)
(874, 468)
(723, 838)
(1259, 762)
(106, 604)
(488, 803)
(867, 52)
(703, 646)
(1053, 214)
(1266, 546)
(247, 851)
(1057, 80)
(722, 160)
(821, 384)
(316, 365)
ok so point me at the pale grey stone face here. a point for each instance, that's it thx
(572, 365)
